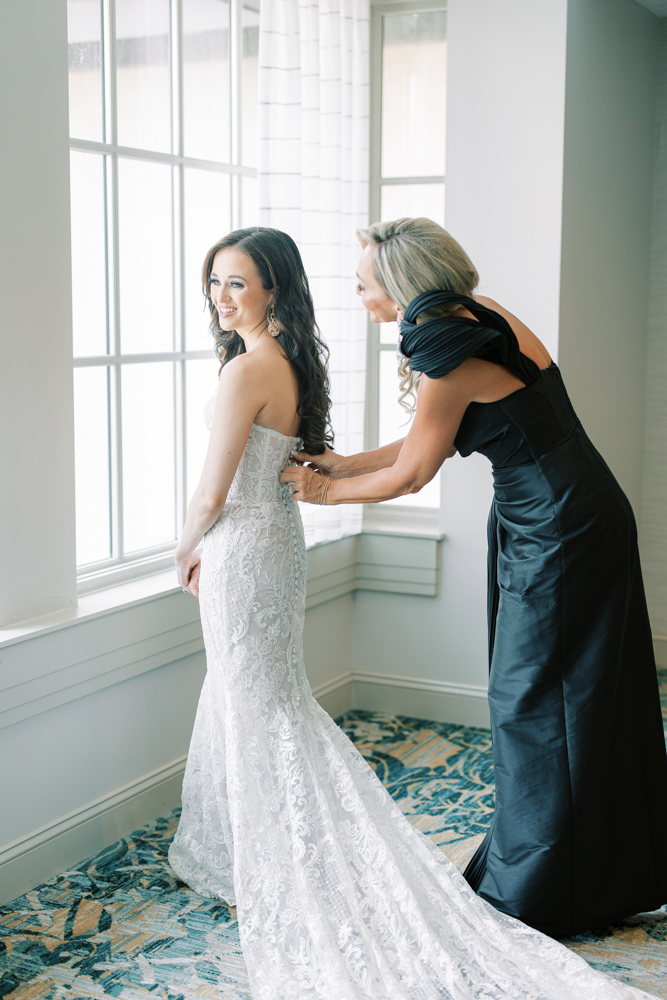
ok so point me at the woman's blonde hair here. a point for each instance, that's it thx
(414, 256)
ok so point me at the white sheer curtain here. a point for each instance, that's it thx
(313, 184)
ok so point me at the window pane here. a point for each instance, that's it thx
(389, 333)
(84, 32)
(414, 90)
(249, 201)
(413, 200)
(206, 79)
(89, 282)
(149, 499)
(249, 94)
(206, 220)
(201, 382)
(145, 256)
(91, 453)
(394, 423)
(143, 74)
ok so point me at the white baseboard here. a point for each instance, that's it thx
(660, 647)
(52, 849)
(441, 701)
(335, 696)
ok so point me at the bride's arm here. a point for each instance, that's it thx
(240, 398)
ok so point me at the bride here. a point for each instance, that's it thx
(338, 897)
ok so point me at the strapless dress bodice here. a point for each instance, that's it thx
(266, 454)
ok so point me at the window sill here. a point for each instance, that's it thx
(410, 522)
(126, 572)
(137, 626)
(332, 571)
(92, 605)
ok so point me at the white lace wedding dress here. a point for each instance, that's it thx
(338, 896)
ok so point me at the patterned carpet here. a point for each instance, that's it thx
(121, 925)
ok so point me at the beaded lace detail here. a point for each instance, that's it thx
(338, 896)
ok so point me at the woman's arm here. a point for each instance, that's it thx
(441, 404)
(336, 466)
(240, 398)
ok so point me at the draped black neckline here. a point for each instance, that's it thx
(438, 346)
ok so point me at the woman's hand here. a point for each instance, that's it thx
(329, 463)
(188, 569)
(307, 485)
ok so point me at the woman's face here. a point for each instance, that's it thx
(237, 293)
(373, 296)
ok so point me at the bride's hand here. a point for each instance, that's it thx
(307, 484)
(329, 463)
(188, 569)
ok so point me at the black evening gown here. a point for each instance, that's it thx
(579, 831)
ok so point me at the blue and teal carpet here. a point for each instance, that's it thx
(121, 925)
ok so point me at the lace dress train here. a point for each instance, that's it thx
(338, 897)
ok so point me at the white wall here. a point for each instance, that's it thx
(505, 110)
(74, 754)
(654, 499)
(427, 656)
(36, 424)
(608, 165)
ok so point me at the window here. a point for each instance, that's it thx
(408, 95)
(163, 112)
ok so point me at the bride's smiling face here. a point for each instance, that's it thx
(373, 296)
(237, 293)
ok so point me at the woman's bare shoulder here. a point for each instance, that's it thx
(484, 300)
(529, 343)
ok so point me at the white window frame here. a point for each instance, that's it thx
(376, 182)
(120, 567)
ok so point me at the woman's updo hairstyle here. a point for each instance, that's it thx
(279, 265)
(412, 256)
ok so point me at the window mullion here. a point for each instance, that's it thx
(372, 387)
(375, 114)
(180, 441)
(117, 438)
(179, 446)
(373, 348)
(235, 68)
(109, 42)
(177, 76)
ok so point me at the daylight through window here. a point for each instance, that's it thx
(163, 112)
(408, 98)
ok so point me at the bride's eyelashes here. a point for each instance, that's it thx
(232, 284)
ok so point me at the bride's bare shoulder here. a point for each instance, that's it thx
(249, 365)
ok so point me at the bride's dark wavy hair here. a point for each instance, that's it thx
(279, 265)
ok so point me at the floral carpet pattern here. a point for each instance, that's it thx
(121, 925)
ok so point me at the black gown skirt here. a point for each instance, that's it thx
(579, 833)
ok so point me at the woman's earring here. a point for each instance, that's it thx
(272, 325)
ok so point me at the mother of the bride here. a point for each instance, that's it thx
(577, 838)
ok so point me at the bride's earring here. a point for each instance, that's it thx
(272, 324)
